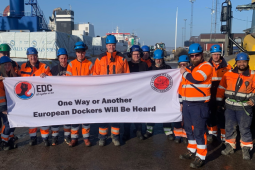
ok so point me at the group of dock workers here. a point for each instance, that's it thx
(212, 95)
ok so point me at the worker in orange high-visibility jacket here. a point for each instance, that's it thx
(238, 87)
(33, 67)
(179, 131)
(79, 67)
(195, 93)
(146, 57)
(7, 137)
(110, 62)
(220, 67)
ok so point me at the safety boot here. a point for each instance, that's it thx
(116, 142)
(185, 140)
(46, 142)
(139, 135)
(101, 142)
(177, 140)
(209, 138)
(12, 143)
(67, 139)
(33, 141)
(73, 142)
(147, 134)
(246, 154)
(54, 141)
(5, 146)
(87, 142)
(228, 150)
(187, 155)
(197, 163)
(170, 137)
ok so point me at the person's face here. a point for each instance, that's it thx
(158, 62)
(216, 57)
(7, 66)
(183, 64)
(62, 60)
(242, 65)
(32, 58)
(136, 56)
(146, 55)
(80, 55)
(111, 47)
(195, 58)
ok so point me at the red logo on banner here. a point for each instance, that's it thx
(161, 82)
(24, 90)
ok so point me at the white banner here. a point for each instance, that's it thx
(137, 97)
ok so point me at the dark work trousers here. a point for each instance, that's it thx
(167, 127)
(103, 130)
(216, 119)
(195, 115)
(7, 131)
(138, 127)
(239, 118)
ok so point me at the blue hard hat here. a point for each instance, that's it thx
(158, 54)
(145, 48)
(31, 50)
(80, 46)
(195, 48)
(242, 56)
(61, 51)
(183, 58)
(216, 49)
(135, 48)
(110, 39)
(5, 59)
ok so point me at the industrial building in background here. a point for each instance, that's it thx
(15, 17)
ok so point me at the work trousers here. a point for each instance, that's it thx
(195, 115)
(127, 126)
(7, 132)
(73, 130)
(103, 130)
(45, 130)
(179, 131)
(216, 118)
(167, 127)
(239, 118)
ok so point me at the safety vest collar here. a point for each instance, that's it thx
(84, 61)
(222, 64)
(28, 64)
(113, 54)
(245, 73)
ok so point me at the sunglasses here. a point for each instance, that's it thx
(196, 55)
(182, 65)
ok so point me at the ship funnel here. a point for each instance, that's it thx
(17, 8)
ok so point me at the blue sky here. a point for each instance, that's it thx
(153, 21)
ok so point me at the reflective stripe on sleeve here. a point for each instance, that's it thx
(216, 78)
(197, 85)
(203, 74)
(219, 99)
(220, 87)
(69, 73)
(185, 74)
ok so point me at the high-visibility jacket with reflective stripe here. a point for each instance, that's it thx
(196, 83)
(28, 70)
(239, 87)
(77, 68)
(218, 72)
(110, 63)
(3, 105)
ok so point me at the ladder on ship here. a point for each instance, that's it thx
(36, 11)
